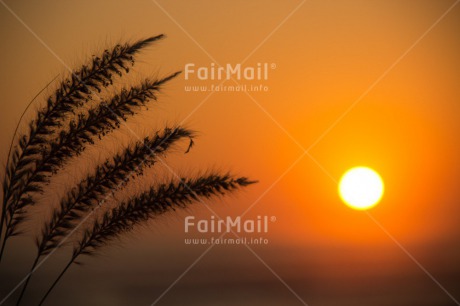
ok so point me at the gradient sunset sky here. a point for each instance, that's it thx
(373, 83)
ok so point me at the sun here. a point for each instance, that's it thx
(361, 188)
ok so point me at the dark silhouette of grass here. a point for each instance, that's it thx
(91, 191)
(146, 206)
(71, 94)
(53, 140)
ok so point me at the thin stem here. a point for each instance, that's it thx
(56, 281)
(3, 248)
(2, 221)
(24, 112)
(4, 240)
(1, 228)
(29, 276)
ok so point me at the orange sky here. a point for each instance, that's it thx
(329, 55)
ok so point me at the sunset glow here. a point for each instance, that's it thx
(345, 113)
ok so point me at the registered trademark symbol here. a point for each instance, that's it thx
(272, 218)
(273, 66)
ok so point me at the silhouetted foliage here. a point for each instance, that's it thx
(60, 132)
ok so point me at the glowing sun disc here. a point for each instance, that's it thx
(361, 188)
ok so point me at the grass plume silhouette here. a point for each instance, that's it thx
(146, 206)
(32, 148)
(60, 132)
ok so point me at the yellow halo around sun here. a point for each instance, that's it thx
(361, 188)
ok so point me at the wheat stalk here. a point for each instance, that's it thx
(72, 93)
(146, 206)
